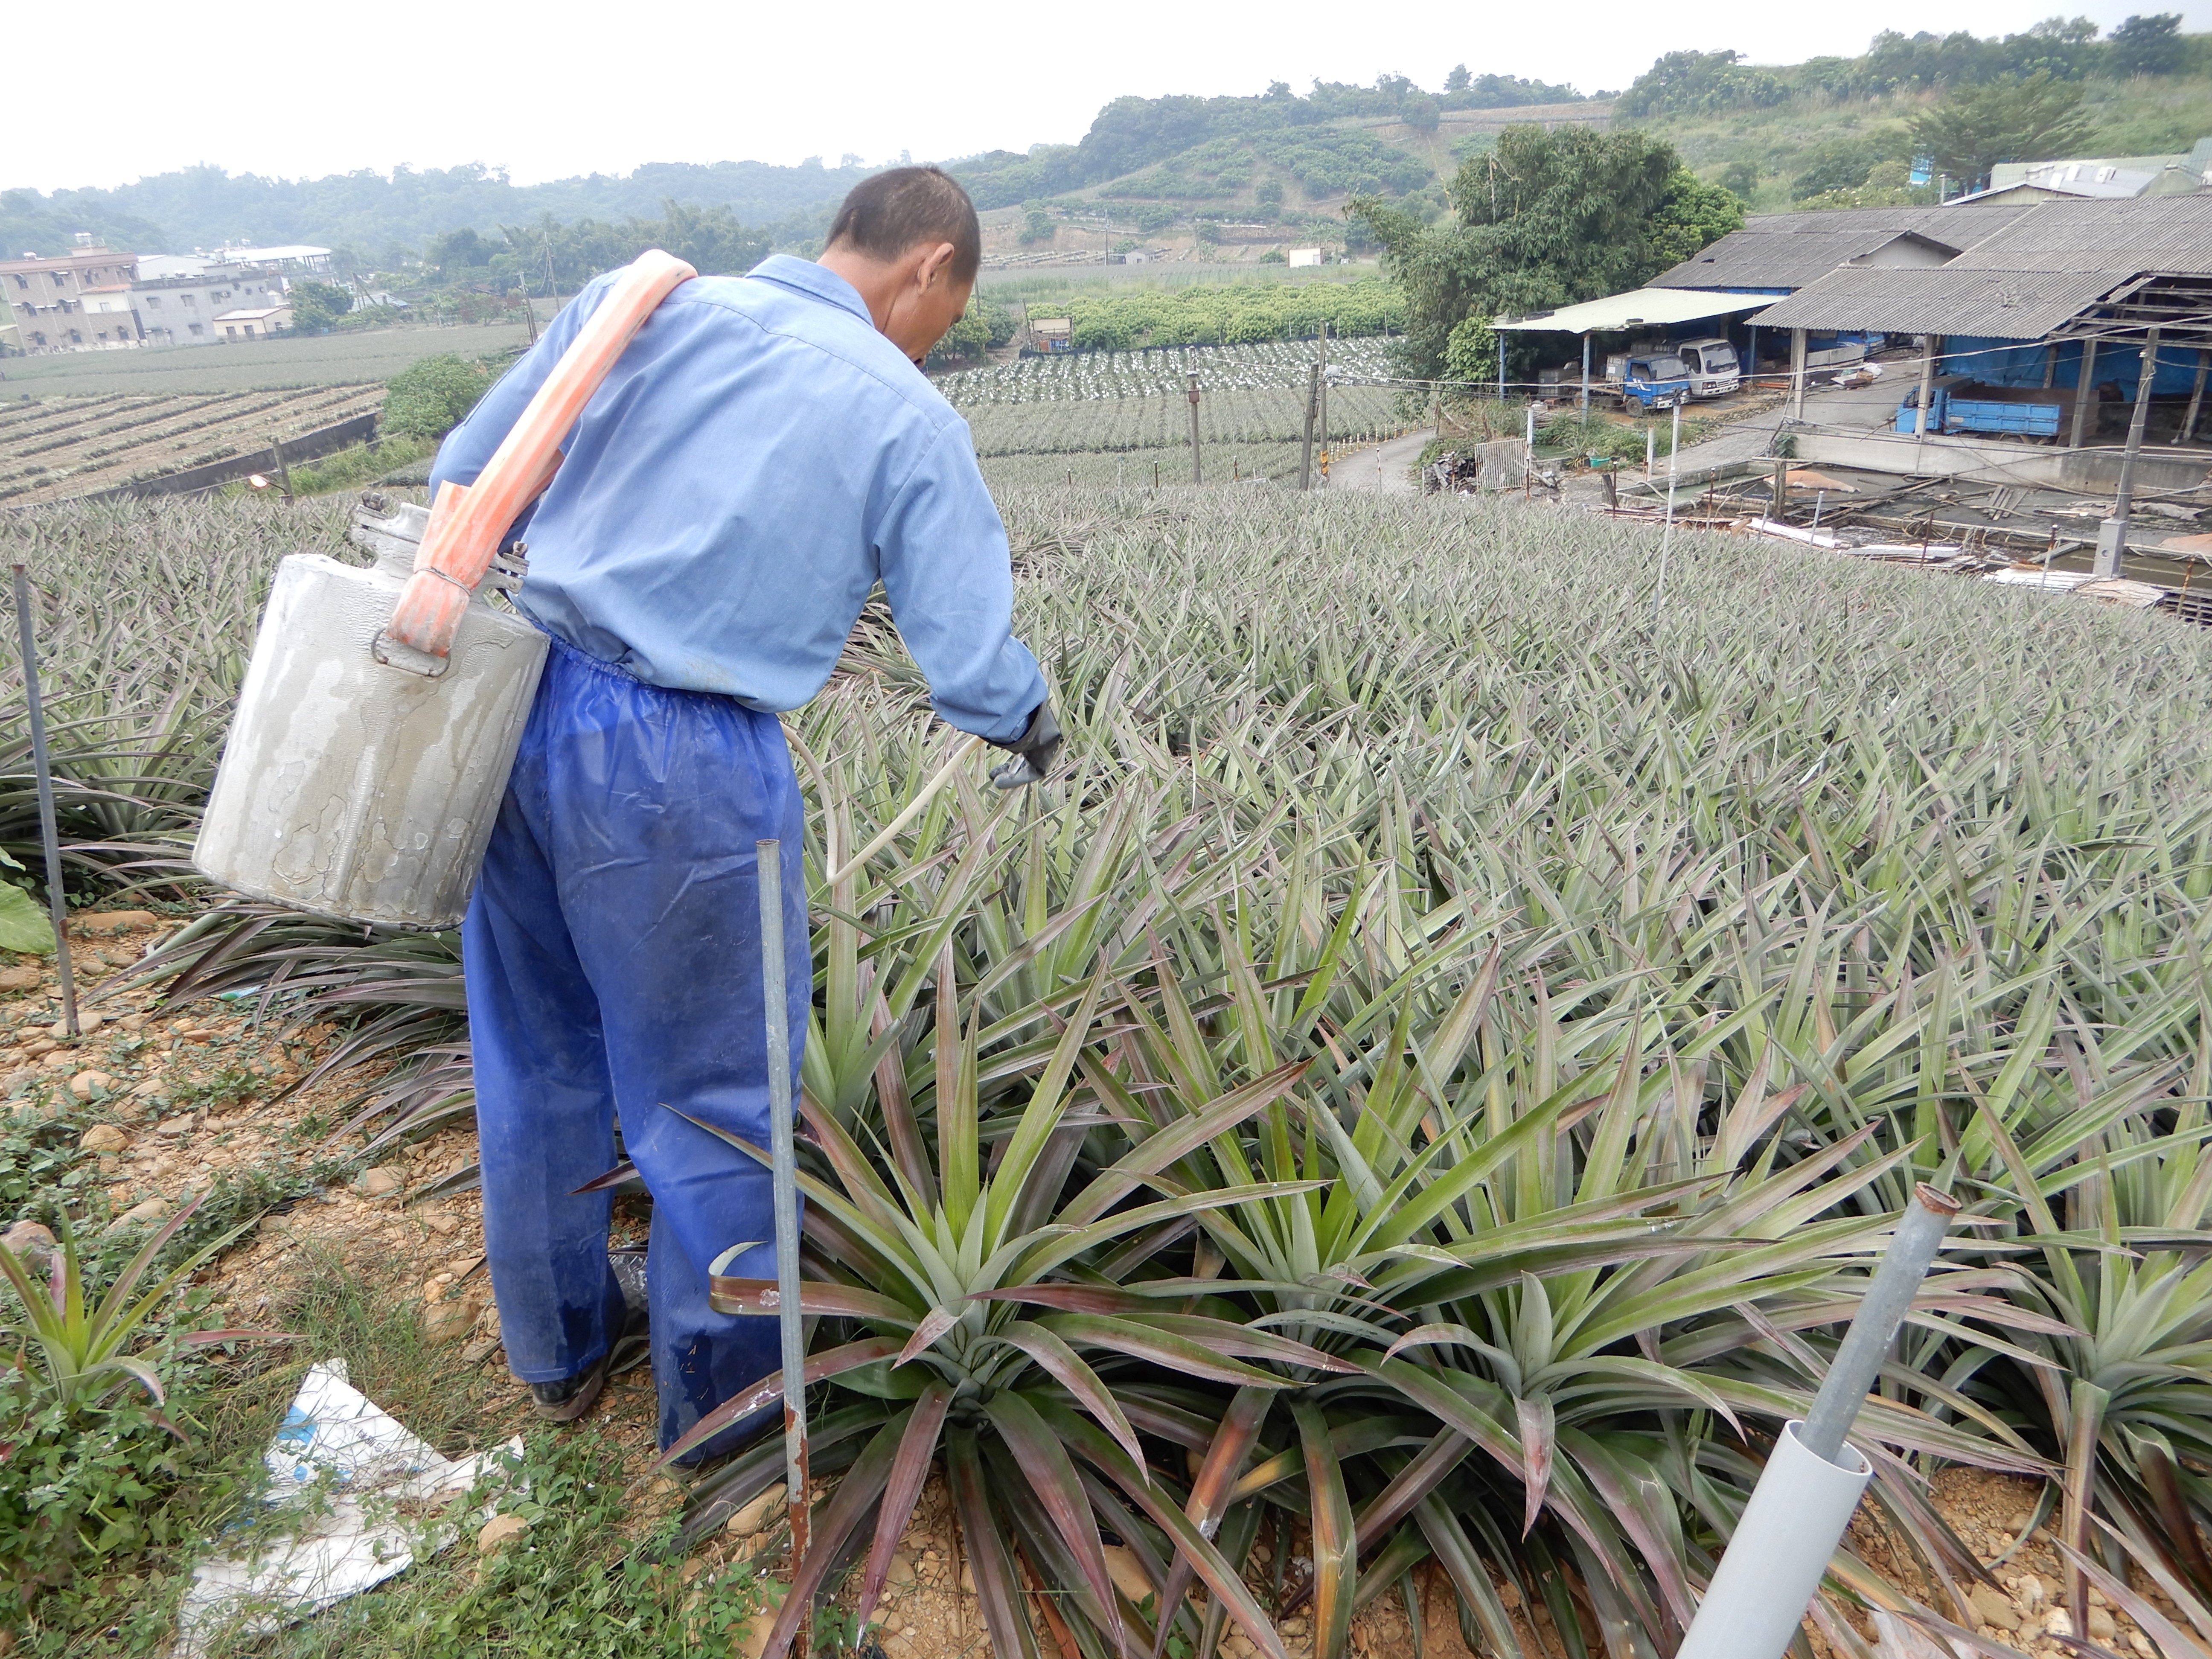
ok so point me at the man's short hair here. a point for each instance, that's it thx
(887, 215)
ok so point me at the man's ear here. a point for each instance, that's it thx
(936, 265)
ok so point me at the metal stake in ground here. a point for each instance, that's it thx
(1196, 476)
(784, 1162)
(1812, 1482)
(57, 903)
(1667, 535)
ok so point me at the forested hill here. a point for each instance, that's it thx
(1131, 133)
(378, 215)
(1832, 132)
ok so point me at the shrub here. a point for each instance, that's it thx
(429, 399)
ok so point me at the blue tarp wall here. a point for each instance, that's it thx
(2007, 362)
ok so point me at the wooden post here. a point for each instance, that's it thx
(283, 472)
(1796, 373)
(1437, 405)
(1501, 368)
(1781, 490)
(2196, 400)
(2085, 391)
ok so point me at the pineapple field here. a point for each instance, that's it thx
(1365, 1162)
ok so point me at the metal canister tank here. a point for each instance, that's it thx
(360, 780)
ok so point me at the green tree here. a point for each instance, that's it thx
(317, 307)
(1036, 223)
(1544, 220)
(2037, 119)
(429, 399)
(1693, 215)
(1458, 80)
(1268, 198)
(457, 252)
(2148, 46)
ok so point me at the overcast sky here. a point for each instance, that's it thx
(546, 90)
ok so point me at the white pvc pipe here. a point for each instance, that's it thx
(1782, 1545)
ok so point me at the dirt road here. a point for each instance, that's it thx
(1384, 468)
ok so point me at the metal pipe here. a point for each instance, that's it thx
(2113, 534)
(784, 1164)
(1789, 1532)
(1852, 1374)
(1667, 534)
(1586, 354)
(49, 837)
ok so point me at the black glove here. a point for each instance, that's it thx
(1034, 751)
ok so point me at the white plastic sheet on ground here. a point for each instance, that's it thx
(352, 1499)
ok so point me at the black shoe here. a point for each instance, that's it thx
(565, 1400)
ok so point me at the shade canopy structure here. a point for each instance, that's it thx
(1640, 307)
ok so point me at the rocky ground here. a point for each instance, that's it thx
(179, 1103)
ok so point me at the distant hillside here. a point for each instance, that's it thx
(1832, 132)
(1133, 133)
(204, 206)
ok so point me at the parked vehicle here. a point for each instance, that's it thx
(1957, 403)
(1645, 381)
(1715, 370)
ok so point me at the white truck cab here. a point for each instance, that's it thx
(1714, 370)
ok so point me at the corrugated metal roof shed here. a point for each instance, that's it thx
(2163, 232)
(2001, 305)
(1790, 250)
(1653, 305)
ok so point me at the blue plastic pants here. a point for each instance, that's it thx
(613, 959)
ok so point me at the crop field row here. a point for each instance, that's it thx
(51, 450)
(330, 360)
(1080, 375)
(1459, 1009)
(1355, 414)
(1139, 468)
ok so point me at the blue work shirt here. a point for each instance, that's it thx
(757, 460)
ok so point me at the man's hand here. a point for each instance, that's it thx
(1034, 751)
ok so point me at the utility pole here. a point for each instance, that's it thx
(1305, 456)
(1924, 407)
(1196, 475)
(2113, 534)
(1586, 352)
(1321, 420)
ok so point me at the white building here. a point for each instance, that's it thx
(293, 256)
(182, 310)
(252, 322)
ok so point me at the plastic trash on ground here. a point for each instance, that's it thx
(352, 1499)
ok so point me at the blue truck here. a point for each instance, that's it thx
(1645, 381)
(1957, 403)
